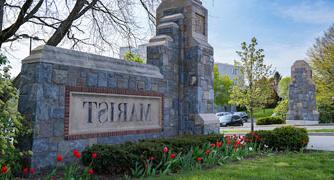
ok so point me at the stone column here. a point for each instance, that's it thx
(302, 99)
(185, 24)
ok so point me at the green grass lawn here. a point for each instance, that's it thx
(321, 130)
(260, 113)
(312, 165)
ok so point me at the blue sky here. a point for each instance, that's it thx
(285, 29)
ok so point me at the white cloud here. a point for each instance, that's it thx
(312, 12)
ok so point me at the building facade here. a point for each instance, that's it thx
(233, 72)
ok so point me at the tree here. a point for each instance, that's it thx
(83, 22)
(222, 86)
(321, 56)
(252, 67)
(321, 45)
(276, 79)
(129, 56)
(269, 96)
(283, 87)
(11, 122)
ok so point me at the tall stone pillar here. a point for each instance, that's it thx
(184, 56)
(302, 100)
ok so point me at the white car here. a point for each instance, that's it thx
(222, 114)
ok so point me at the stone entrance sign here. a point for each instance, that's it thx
(92, 114)
(74, 99)
(302, 101)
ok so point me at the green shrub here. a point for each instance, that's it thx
(281, 139)
(282, 108)
(119, 159)
(270, 120)
(326, 112)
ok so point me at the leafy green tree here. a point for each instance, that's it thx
(321, 56)
(324, 78)
(10, 119)
(252, 67)
(283, 87)
(269, 98)
(129, 56)
(323, 74)
(222, 86)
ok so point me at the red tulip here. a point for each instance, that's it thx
(4, 169)
(59, 158)
(228, 141)
(213, 145)
(165, 149)
(76, 153)
(26, 170)
(172, 156)
(94, 155)
(90, 171)
(207, 151)
(199, 159)
(32, 171)
(219, 144)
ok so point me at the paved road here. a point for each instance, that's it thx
(271, 127)
(325, 143)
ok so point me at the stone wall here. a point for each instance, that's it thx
(47, 73)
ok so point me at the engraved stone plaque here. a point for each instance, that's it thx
(95, 114)
(199, 24)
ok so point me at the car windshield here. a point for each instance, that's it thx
(226, 118)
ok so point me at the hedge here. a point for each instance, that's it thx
(270, 120)
(282, 139)
(119, 159)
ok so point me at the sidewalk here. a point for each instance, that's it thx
(324, 143)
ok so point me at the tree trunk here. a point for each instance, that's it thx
(2, 4)
(64, 27)
(252, 119)
(77, 11)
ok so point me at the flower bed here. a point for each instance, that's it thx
(72, 171)
(165, 156)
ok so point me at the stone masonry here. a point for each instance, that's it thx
(181, 51)
(179, 68)
(302, 101)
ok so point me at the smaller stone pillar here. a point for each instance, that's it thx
(302, 100)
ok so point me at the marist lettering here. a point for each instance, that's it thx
(103, 112)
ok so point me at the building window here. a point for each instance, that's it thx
(200, 24)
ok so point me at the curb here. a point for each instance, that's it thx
(321, 134)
